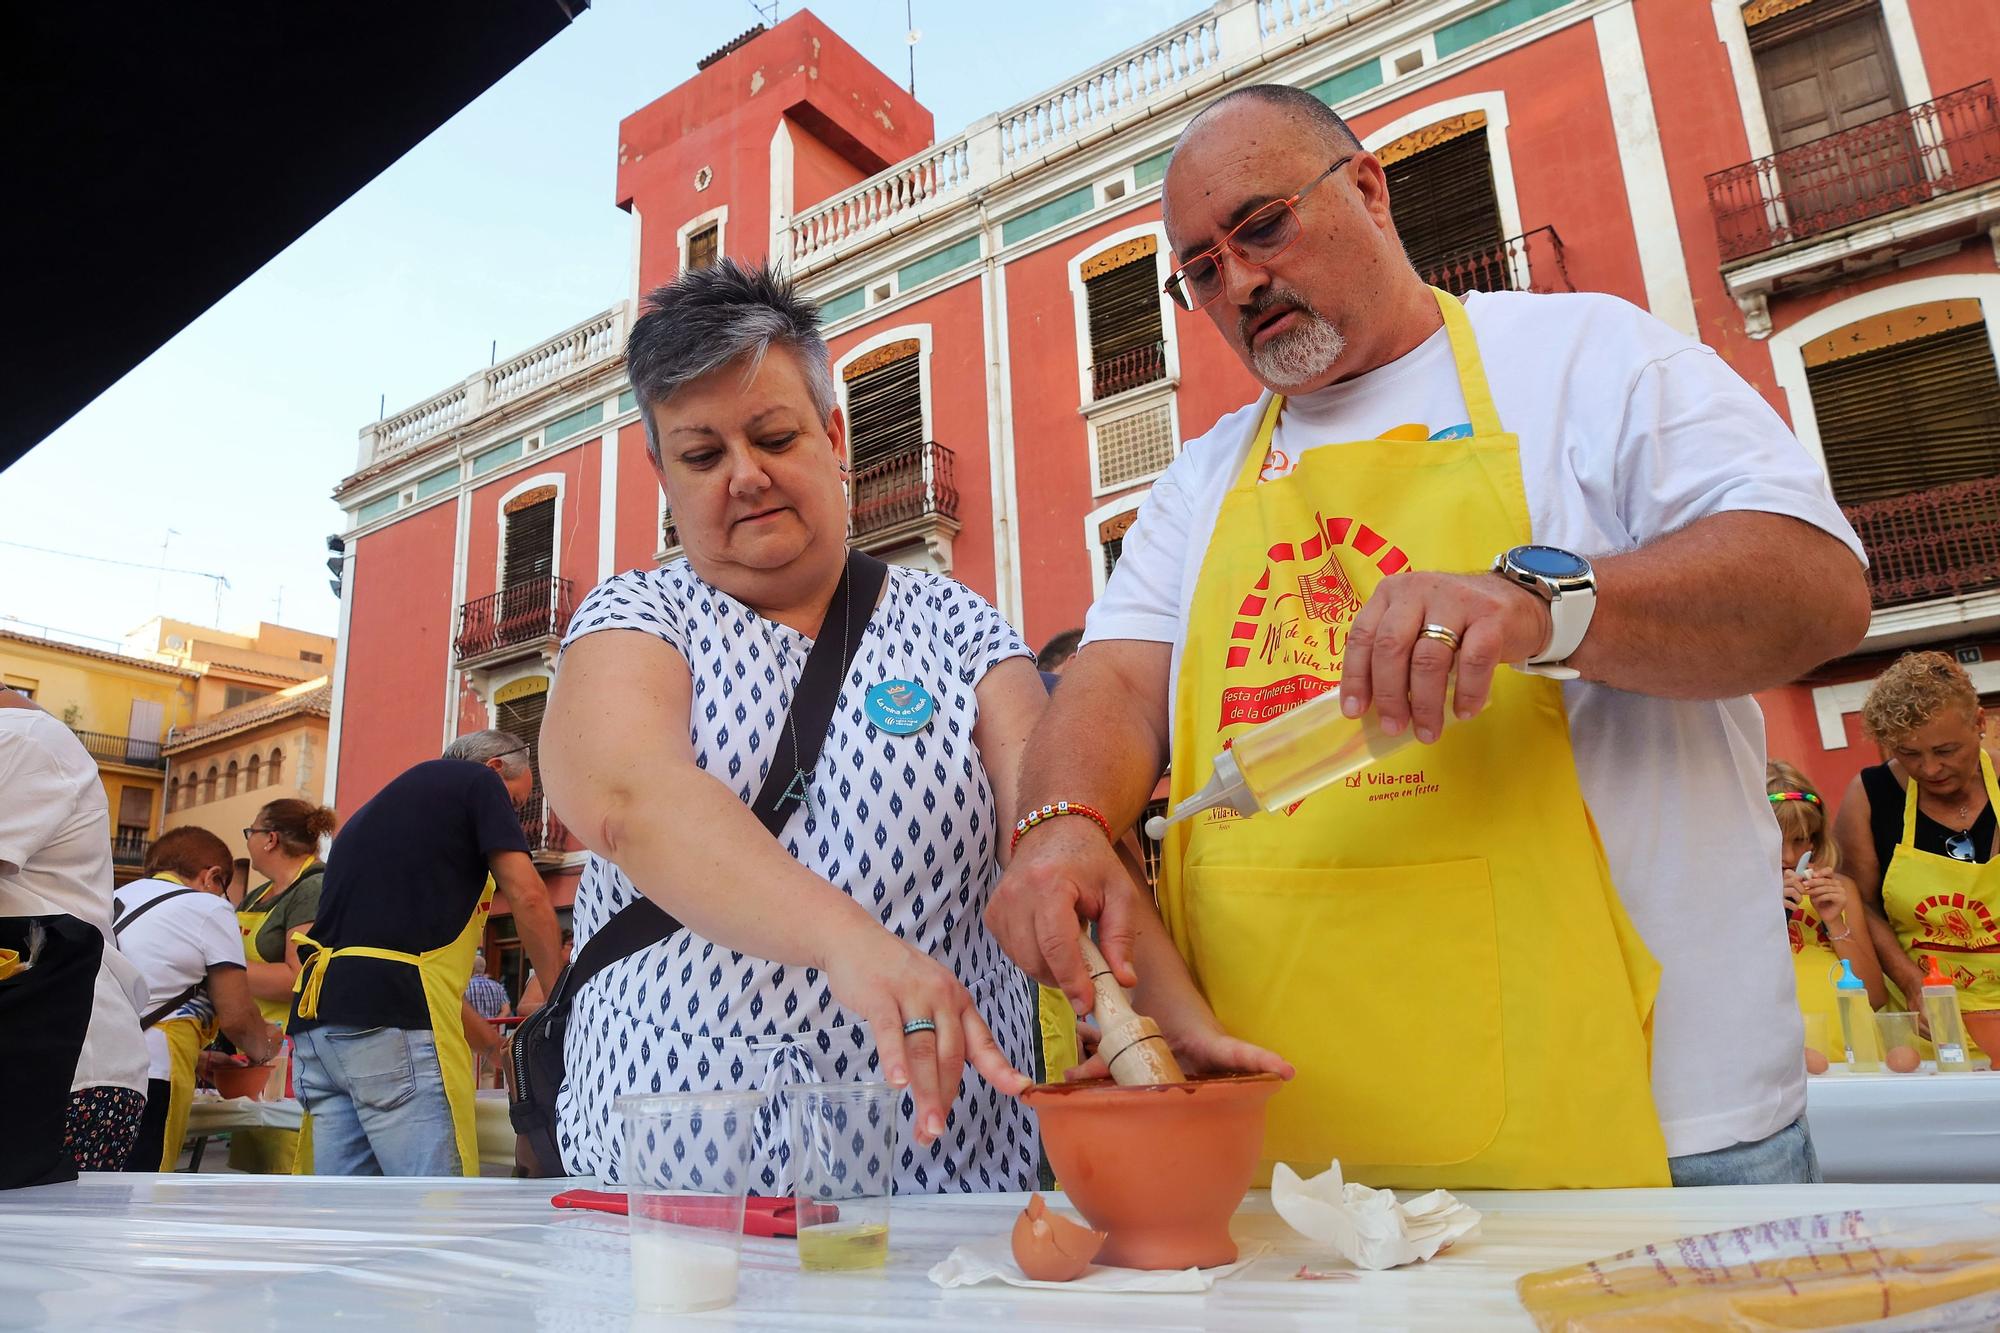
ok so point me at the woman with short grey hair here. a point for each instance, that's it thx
(853, 945)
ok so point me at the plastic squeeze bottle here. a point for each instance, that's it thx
(1288, 759)
(1946, 1023)
(1857, 1022)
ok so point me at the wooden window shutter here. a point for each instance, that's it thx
(1122, 294)
(1824, 68)
(1443, 201)
(885, 405)
(702, 247)
(522, 715)
(1909, 416)
(531, 541)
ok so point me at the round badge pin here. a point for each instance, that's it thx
(899, 707)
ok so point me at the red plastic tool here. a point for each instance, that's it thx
(774, 1217)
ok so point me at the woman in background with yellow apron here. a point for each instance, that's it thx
(1436, 944)
(1804, 828)
(284, 842)
(1918, 835)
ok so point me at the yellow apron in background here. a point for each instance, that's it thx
(445, 973)
(1815, 965)
(1057, 1027)
(1436, 944)
(185, 1038)
(263, 1150)
(1948, 908)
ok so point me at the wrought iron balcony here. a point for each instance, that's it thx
(108, 748)
(1530, 262)
(523, 616)
(544, 832)
(1942, 542)
(129, 846)
(1128, 369)
(1946, 144)
(913, 485)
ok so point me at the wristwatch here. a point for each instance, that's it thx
(1567, 583)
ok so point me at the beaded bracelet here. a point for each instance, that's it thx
(1057, 811)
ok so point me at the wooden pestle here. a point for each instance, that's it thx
(1130, 1043)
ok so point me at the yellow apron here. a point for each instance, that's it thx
(1815, 965)
(445, 973)
(264, 1150)
(1947, 908)
(1057, 1023)
(185, 1038)
(1436, 943)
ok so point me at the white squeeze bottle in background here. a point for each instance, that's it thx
(1946, 1023)
(1288, 759)
(1857, 1022)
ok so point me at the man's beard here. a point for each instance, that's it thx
(1300, 355)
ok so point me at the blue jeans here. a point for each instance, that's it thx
(376, 1096)
(1786, 1158)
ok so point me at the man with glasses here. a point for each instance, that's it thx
(1476, 988)
(380, 1017)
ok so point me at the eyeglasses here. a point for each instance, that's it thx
(254, 829)
(1257, 239)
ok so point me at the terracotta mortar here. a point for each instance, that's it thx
(1161, 1168)
(242, 1080)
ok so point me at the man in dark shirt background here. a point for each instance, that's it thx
(384, 1069)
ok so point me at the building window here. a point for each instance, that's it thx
(305, 656)
(885, 404)
(530, 555)
(229, 779)
(518, 707)
(173, 795)
(251, 774)
(1908, 401)
(1111, 537)
(21, 685)
(208, 784)
(1121, 290)
(703, 245)
(235, 695)
(1132, 445)
(277, 766)
(1151, 851)
(1442, 198)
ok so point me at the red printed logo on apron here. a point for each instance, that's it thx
(1297, 616)
(1953, 921)
(1795, 928)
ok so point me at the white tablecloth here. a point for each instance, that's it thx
(243, 1253)
(1906, 1127)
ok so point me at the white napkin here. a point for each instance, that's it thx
(1367, 1227)
(987, 1260)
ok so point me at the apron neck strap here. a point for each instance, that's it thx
(1910, 798)
(1479, 409)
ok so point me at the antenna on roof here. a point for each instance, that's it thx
(909, 21)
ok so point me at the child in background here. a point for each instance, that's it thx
(1823, 912)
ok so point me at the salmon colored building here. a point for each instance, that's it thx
(1812, 187)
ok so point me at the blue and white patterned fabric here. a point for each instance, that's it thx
(906, 825)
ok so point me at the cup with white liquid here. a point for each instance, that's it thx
(686, 1169)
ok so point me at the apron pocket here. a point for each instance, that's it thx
(1381, 985)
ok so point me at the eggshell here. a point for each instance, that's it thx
(1815, 1062)
(1903, 1059)
(1051, 1248)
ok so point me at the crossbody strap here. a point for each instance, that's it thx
(641, 923)
(118, 926)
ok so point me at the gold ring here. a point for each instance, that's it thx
(1447, 637)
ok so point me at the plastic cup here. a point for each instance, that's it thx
(686, 1169)
(1901, 1053)
(1819, 1036)
(844, 1154)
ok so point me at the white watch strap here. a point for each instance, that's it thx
(1569, 620)
(1553, 670)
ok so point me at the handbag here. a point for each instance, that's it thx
(537, 1052)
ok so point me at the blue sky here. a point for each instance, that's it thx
(500, 227)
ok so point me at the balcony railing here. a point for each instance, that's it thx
(1942, 542)
(1128, 369)
(1948, 143)
(1530, 262)
(129, 847)
(107, 748)
(544, 832)
(912, 485)
(526, 613)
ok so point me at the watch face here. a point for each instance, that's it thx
(1549, 562)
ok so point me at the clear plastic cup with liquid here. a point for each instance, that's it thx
(844, 1157)
(1901, 1053)
(686, 1170)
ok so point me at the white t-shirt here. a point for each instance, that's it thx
(173, 946)
(1628, 430)
(55, 856)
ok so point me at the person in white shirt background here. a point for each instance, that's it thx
(1635, 491)
(55, 859)
(178, 929)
